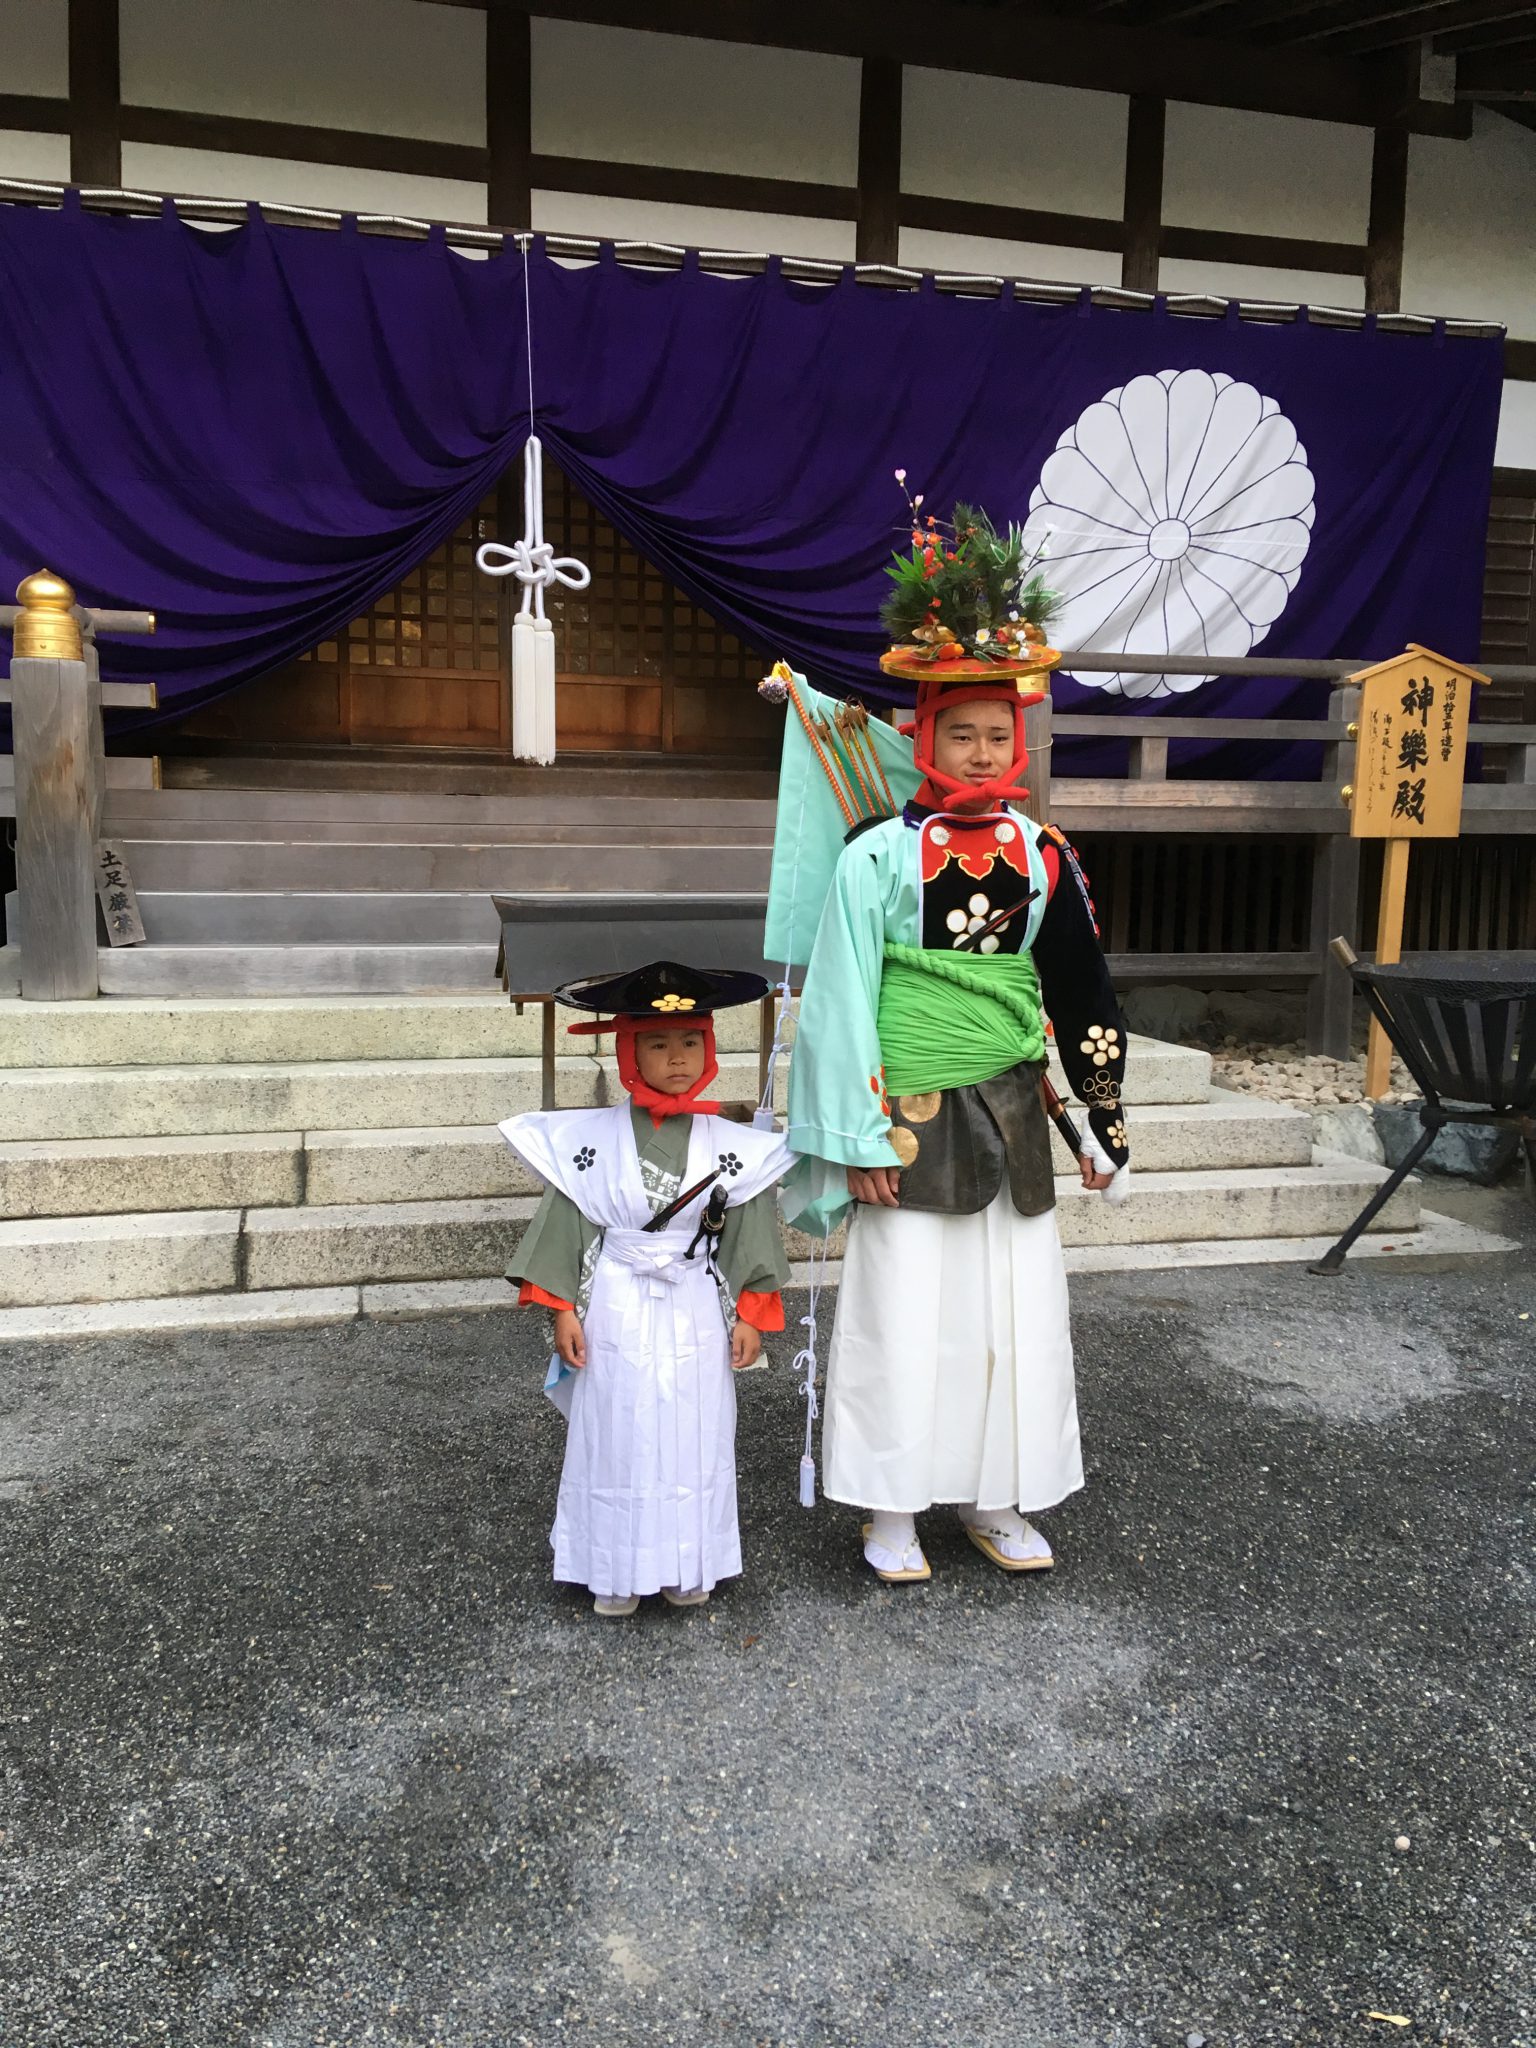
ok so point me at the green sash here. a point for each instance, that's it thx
(948, 1020)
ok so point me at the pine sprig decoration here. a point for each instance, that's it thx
(965, 584)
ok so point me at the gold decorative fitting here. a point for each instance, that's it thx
(919, 1109)
(1351, 731)
(672, 1003)
(46, 629)
(1347, 793)
(903, 1143)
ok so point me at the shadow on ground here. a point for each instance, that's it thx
(302, 1746)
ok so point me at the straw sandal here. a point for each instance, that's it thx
(908, 1575)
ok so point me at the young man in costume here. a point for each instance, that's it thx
(952, 929)
(657, 1247)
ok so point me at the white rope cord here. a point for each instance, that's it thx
(532, 560)
(805, 1361)
(762, 1116)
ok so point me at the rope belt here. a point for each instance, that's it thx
(949, 1020)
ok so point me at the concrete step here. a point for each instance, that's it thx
(101, 1176)
(349, 1095)
(328, 1095)
(1234, 1202)
(400, 810)
(212, 1031)
(109, 1258)
(1437, 1238)
(167, 870)
(235, 971)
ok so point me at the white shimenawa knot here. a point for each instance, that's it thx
(532, 560)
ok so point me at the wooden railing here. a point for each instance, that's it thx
(1148, 800)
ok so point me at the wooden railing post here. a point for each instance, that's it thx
(1335, 902)
(55, 722)
(1037, 737)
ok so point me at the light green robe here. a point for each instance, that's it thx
(837, 1112)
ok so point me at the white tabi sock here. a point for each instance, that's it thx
(892, 1541)
(1013, 1535)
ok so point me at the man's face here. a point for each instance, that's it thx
(670, 1061)
(974, 742)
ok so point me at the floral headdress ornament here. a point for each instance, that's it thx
(966, 592)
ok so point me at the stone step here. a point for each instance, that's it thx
(146, 811)
(348, 1095)
(562, 827)
(251, 970)
(270, 876)
(101, 1176)
(1438, 1238)
(110, 1258)
(155, 1031)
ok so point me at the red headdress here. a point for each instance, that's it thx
(663, 996)
(941, 685)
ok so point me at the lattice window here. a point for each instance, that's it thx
(1509, 592)
(442, 617)
(629, 621)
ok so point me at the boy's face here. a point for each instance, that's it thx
(974, 742)
(669, 1061)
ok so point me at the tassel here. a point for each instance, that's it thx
(537, 568)
(807, 1482)
(762, 1120)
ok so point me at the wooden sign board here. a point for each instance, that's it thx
(117, 896)
(1411, 748)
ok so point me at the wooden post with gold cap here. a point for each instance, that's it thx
(55, 723)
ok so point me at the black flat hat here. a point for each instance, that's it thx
(663, 989)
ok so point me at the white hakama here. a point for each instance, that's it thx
(950, 1373)
(648, 1489)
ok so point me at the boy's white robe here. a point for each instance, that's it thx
(648, 1489)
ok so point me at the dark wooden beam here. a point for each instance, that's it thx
(508, 115)
(1496, 75)
(31, 114)
(294, 142)
(878, 230)
(1278, 252)
(1389, 209)
(95, 94)
(662, 187)
(1353, 28)
(1143, 210)
(1009, 223)
(1520, 361)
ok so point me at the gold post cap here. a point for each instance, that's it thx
(1347, 793)
(46, 628)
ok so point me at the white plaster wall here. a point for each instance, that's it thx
(1470, 246)
(1013, 143)
(212, 174)
(1516, 445)
(394, 67)
(1265, 174)
(695, 227)
(34, 156)
(629, 96)
(926, 250)
(34, 47)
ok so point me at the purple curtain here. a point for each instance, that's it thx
(256, 432)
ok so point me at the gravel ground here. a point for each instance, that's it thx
(304, 1748)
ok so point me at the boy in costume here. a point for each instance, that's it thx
(954, 924)
(657, 1247)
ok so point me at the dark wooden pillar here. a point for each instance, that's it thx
(1143, 193)
(1389, 206)
(95, 94)
(508, 115)
(879, 224)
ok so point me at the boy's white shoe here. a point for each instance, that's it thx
(612, 1608)
(1004, 1537)
(674, 1597)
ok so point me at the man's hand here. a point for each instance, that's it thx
(878, 1184)
(1092, 1178)
(569, 1341)
(746, 1345)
